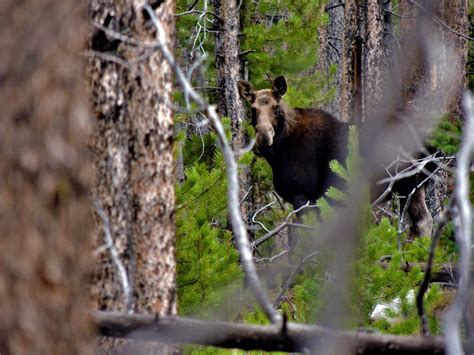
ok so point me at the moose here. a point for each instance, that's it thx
(299, 144)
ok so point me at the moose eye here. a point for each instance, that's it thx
(264, 101)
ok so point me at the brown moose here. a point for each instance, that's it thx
(299, 144)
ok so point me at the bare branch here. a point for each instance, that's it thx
(286, 223)
(122, 272)
(274, 257)
(427, 278)
(260, 210)
(405, 207)
(463, 231)
(238, 226)
(291, 279)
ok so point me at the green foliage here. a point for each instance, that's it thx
(207, 259)
(209, 275)
(282, 39)
(379, 284)
(447, 135)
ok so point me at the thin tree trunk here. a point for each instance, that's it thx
(44, 211)
(330, 52)
(133, 155)
(229, 70)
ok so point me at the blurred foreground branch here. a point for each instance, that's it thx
(290, 337)
(463, 222)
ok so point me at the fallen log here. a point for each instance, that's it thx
(289, 337)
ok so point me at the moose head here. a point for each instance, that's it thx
(267, 112)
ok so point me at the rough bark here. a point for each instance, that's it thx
(330, 52)
(289, 338)
(373, 58)
(362, 59)
(132, 147)
(228, 67)
(369, 43)
(44, 211)
(451, 17)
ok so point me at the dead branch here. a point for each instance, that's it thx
(291, 279)
(290, 338)
(272, 258)
(257, 212)
(403, 213)
(286, 223)
(428, 270)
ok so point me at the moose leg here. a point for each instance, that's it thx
(421, 222)
(293, 233)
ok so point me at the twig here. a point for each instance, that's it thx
(248, 51)
(417, 166)
(439, 21)
(330, 7)
(247, 193)
(246, 149)
(122, 272)
(238, 226)
(290, 280)
(203, 147)
(286, 223)
(407, 204)
(257, 212)
(427, 278)
(273, 258)
(464, 230)
(199, 12)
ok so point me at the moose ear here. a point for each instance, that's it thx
(279, 87)
(246, 90)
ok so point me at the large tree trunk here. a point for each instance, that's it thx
(133, 154)
(362, 59)
(451, 17)
(44, 211)
(366, 43)
(229, 70)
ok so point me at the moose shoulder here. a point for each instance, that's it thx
(299, 144)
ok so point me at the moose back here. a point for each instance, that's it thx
(299, 144)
